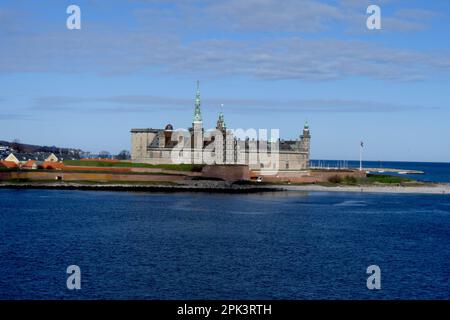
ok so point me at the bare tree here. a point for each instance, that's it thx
(17, 146)
(124, 155)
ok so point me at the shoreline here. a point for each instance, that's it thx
(210, 187)
(427, 189)
(224, 187)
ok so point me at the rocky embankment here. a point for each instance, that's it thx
(197, 186)
(227, 187)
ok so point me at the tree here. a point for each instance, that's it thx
(17, 146)
(123, 155)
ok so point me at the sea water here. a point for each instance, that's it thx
(285, 245)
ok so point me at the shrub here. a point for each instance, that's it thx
(335, 179)
(350, 180)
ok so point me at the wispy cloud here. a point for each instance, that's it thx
(284, 54)
(287, 58)
(305, 16)
(145, 104)
(15, 116)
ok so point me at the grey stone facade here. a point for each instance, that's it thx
(155, 146)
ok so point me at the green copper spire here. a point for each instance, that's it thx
(197, 111)
(306, 125)
(221, 121)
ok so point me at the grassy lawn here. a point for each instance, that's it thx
(178, 167)
(387, 179)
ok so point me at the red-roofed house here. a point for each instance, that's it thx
(30, 164)
(48, 165)
(8, 164)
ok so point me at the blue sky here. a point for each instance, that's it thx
(272, 63)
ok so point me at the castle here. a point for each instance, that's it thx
(157, 146)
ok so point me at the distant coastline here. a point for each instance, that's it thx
(423, 189)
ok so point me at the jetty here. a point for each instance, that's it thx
(368, 170)
(390, 170)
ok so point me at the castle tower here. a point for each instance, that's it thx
(305, 143)
(197, 126)
(197, 120)
(221, 125)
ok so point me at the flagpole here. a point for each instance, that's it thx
(360, 156)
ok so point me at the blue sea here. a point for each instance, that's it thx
(284, 245)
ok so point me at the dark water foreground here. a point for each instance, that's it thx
(225, 246)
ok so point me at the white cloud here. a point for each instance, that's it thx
(115, 51)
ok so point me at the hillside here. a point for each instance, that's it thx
(30, 148)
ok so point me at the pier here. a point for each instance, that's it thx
(398, 171)
(369, 170)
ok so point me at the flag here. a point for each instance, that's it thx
(362, 144)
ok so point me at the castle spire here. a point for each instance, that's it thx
(221, 121)
(197, 111)
(306, 133)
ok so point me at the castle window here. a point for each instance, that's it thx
(287, 165)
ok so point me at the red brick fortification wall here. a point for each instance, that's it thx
(226, 172)
(168, 171)
(131, 169)
(284, 176)
(78, 176)
(5, 176)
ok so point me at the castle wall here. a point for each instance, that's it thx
(288, 160)
(297, 159)
(140, 140)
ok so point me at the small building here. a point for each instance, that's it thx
(51, 158)
(22, 158)
(8, 164)
(49, 165)
(30, 165)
